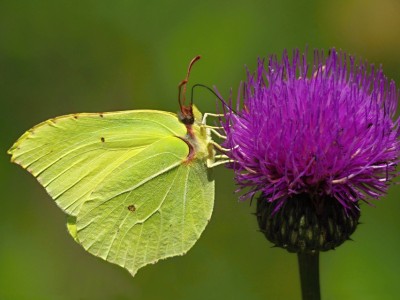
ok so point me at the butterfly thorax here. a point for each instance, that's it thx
(198, 138)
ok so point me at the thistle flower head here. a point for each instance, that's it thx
(325, 130)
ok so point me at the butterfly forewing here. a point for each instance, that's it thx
(70, 155)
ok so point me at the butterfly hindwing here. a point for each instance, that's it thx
(161, 218)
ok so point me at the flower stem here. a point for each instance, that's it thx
(309, 275)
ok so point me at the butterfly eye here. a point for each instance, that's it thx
(187, 120)
(186, 115)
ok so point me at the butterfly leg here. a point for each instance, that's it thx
(221, 156)
(220, 160)
(219, 147)
(218, 163)
(213, 128)
(221, 136)
(211, 115)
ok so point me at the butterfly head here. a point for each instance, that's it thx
(186, 115)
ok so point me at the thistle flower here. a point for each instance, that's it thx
(316, 140)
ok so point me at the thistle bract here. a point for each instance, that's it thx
(325, 130)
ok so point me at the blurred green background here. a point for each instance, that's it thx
(60, 57)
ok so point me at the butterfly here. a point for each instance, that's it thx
(137, 186)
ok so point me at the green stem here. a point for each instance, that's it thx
(309, 275)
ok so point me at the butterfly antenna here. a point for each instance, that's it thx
(183, 83)
(186, 114)
(214, 93)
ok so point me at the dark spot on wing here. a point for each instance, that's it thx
(76, 117)
(101, 115)
(102, 139)
(369, 125)
(131, 208)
